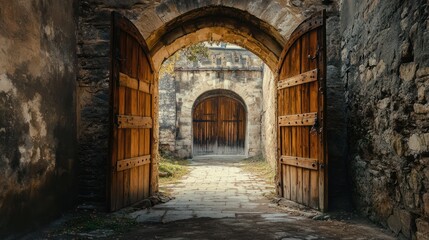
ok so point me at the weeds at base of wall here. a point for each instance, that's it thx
(259, 167)
(172, 169)
(89, 225)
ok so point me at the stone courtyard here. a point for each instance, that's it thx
(219, 200)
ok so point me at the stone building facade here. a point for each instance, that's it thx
(228, 67)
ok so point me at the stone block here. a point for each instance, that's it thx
(372, 62)
(421, 94)
(422, 72)
(420, 108)
(394, 222)
(406, 52)
(422, 225)
(417, 143)
(426, 204)
(407, 222)
(407, 71)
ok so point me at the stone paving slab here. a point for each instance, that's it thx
(212, 190)
(217, 200)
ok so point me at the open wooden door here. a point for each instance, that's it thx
(302, 151)
(132, 116)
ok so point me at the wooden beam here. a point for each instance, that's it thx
(127, 121)
(304, 119)
(309, 163)
(129, 82)
(132, 162)
(302, 78)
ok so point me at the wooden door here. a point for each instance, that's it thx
(219, 126)
(205, 127)
(302, 163)
(132, 115)
(231, 127)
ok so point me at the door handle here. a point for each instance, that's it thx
(315, 55)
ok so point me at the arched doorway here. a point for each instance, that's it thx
(133, 72)
(265, 28)
(219, 124)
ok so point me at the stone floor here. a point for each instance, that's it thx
(218, 200)
(212, 189)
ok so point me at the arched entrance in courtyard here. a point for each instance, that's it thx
(295, 57)
(219, 124)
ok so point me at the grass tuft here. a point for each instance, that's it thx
(171, 169)
(258, 166)
(86, 222)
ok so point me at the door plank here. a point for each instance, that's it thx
(305, 67)
(219, 126)
(301, 119)
(301, 79)
(133, 121)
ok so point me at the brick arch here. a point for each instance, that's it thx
(262, 27)
(277, 15)
(219, 24)
(216, 34)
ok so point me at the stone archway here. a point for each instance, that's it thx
(260, 26)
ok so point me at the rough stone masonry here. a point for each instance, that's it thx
(37, 111)
(385, 71)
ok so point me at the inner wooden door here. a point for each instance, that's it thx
(219, 126)
(301, 108)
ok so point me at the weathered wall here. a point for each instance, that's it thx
(93, 101)
(167, 113)
(268, 117)
(234, 69)
(339, 185)
(37, 111)
(385, 69)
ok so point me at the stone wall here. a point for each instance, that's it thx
(339, 196)
(93, 101)
(233, 69)
(167, 113)
(37, 111)
(268, 117)
(385, 70)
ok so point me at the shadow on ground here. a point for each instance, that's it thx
(217, 199)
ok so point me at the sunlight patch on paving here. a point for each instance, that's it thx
(213, 189)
